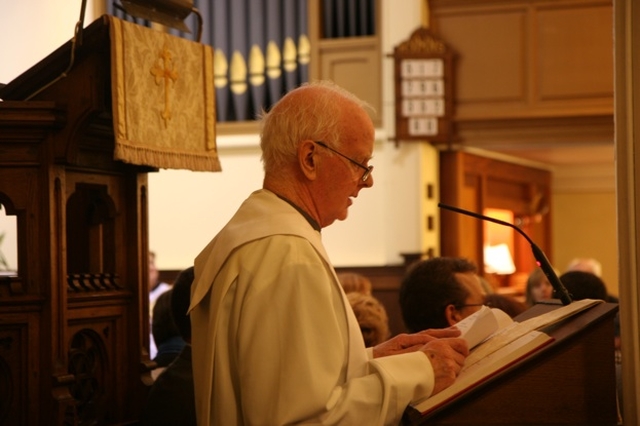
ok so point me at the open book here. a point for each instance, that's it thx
(497, 342)
(479, 326)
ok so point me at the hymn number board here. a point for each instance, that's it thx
(423, 68)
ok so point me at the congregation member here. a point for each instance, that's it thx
(538, 288)
(439, 292)
(171, 400)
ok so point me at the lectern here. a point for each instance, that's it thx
(74, 328)
(570, 382)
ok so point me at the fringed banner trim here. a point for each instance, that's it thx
(167, 160)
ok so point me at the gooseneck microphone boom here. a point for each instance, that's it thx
(539, 255)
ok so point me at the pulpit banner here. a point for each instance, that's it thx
(163, 99)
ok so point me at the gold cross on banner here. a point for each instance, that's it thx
(166, 73)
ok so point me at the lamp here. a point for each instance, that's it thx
(498, 260)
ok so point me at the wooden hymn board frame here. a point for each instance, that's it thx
(423, 73)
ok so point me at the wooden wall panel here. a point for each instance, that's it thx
(355, 65)
(490, 183)
(352, 62)
(19, 346)
(491, 62)
(574, 52)
(529, 58)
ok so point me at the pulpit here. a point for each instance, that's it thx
(74, 328)
(572, 381)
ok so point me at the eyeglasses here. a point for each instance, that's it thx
(367, 169)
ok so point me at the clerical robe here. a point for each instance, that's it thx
(274, 338)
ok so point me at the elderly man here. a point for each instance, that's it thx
(274, 338)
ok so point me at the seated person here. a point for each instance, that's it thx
(354, 282)
(588, 264)
(165, 332)
(439, 292)
(538, 289)
(584, 285)
(509, 304)
(372, 318)
(171, 399)
(156, 288)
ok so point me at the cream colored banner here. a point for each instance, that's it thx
(163, 99)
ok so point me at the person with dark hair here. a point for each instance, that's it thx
(165, 332)
(584, 285)
(275, 340)
(171, 399)
(180, 299)
(439, 292)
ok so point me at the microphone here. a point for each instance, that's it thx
(538, 254)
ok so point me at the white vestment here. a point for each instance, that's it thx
(274, 339)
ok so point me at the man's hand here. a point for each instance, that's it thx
(447, 357)
(403, 343)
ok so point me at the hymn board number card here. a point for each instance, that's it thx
(424, 88)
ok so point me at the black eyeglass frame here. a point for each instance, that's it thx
(367, 169)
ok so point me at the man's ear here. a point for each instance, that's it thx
(452, 315)
(306, 159)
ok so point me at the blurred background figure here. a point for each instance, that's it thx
(538, 289)
(354, 282)
(585, 264)
(372, 318)
(171, 399)
(509, 304)
(370, 312)
(584, 285)
(156, 288)
(165, 332)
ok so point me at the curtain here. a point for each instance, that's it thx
(261, 50)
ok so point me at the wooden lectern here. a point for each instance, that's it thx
(570, 382)
(74, 328)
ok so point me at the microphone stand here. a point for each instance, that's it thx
(538, 254)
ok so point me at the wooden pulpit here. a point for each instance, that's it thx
(74, 328)
(569, 382)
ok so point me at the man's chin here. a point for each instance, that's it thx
(340, 218)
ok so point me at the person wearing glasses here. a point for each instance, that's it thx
(274, 340)
(439, 292)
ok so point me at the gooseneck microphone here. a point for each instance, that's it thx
(538, 254)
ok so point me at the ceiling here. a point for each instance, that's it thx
(575, 168)
(553, 157)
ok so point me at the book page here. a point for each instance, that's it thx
(559, 314)
(480, 325)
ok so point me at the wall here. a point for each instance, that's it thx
(584, 216)
(585, 226)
